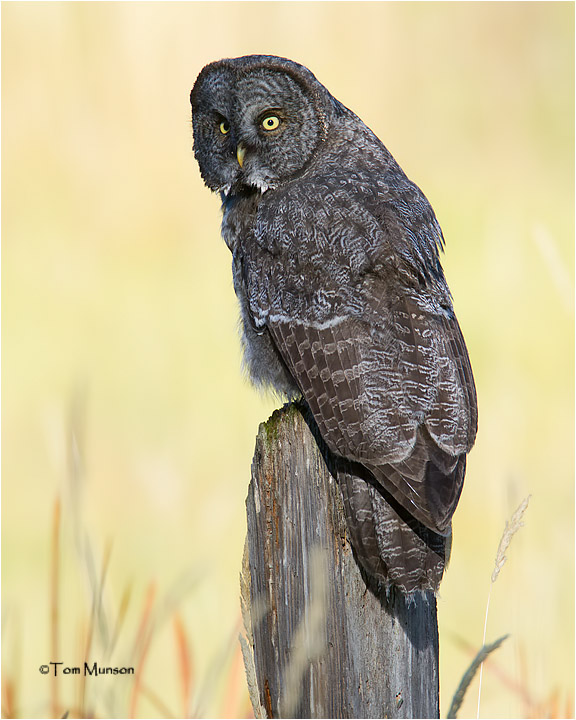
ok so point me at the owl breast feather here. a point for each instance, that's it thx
(262, 362)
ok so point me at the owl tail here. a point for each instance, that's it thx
(390, 545)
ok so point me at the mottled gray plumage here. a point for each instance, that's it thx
(343, 299)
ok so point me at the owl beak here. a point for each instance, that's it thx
(240, 152)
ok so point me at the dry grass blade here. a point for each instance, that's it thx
(468, 676)
(8, 699)
(232, 694)
(11, 662)
(512, 527)
(95, 615)
(309, 637)
(55, 604)
(211, 684)
(123, 609)
(86, 653)
(142, 644)
(184, 662)
(161, 708)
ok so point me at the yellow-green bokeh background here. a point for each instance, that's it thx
(119, 319)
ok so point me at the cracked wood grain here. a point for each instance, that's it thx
(325, 644)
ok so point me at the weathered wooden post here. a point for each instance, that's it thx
(320, 643)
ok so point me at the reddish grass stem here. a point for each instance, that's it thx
(184, 662)
(143, 639)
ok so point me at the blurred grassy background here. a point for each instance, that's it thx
(121, 385)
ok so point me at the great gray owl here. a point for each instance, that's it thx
(343, 302)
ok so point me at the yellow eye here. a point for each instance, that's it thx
(224, 127)
(271, 122)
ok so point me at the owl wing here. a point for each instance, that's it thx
(374, 347)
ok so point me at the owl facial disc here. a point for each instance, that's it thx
(256, 123)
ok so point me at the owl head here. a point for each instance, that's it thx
(257, 121)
